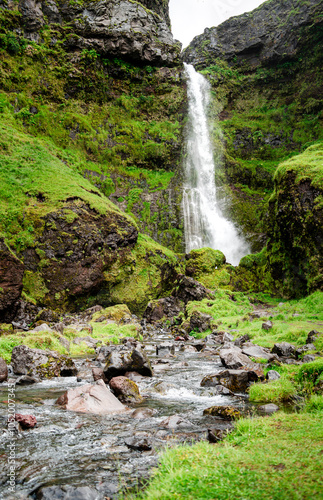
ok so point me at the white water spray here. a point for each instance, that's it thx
(204, 224)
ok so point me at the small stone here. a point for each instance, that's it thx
(267, 325)
(227, 412)
(272, 375)
(269, 408)
(284, 349)
(26, 421)
(165, 348)
(308, 358)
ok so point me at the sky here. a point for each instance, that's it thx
(190, 17)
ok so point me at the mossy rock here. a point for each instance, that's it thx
(227, 412)
(119, 313)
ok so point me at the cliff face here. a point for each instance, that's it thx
(114, 28)
(266, 35)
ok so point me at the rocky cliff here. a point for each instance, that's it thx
(274, 31)
(135, 31)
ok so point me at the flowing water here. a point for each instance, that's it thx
(68, 448)
(204, 223)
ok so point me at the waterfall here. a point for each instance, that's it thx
(204, 224)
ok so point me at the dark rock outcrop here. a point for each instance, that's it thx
(136, 31)
(167, 307)
(187, 289)
(120, 362)
(11, 274)
(268, 34)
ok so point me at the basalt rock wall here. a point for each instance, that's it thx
(136, 31)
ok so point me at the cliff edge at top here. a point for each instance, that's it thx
(114, 28)
(267, 34)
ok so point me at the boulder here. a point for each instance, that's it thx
(41, 363)
(284, 349)
(308, 358)
(301, 350)
(272, 375)
(188, 289)
(257, 352)
(312, 336)
(125, 389)
(234, 380)
(91, 398)
(267, 325)
(26, 421)
(241, 340)
(226, 412)
(104, 352)
(67, 493)
(27, 380)
(157, 310)
(127, 360)
(139, 443)
(233, 358)
(165, 348)
(199, 322)
(3, 370)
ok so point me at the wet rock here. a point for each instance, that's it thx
(165, 348)
(11, 274)
(312, 336)
(284, 349)
(199, 346)
(139, 443)
(188, 289)
(216, 435)
(136, 377)
(301, 350)
(188, 348)
(104, 352)
(257, 352)
(234, 380)
(26, 421)
(269, 408)
(125, 389)
(241, 340)
(97, 373)
(233, 358)
(143, 413)
(163, 387)
(157, 310)
(45, 364)
(223, 391)
(120, 362)
(3, 370)
(308, 358)
(67, 493)
(226, 412)
(27, 380)
(91, 398)
(267, 325)
(211, 339)
(199, 322)
(174, 421)
(272, 375)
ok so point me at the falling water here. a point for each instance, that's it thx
(204, 224)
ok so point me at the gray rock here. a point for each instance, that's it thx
(199, 322)
(257, 352)
(174, 421)
(233, 358)
(127, 360)
(234, 380)
(168, 307)
(267, 325)
(272, 375)
(304, 348)
(308, 358)
(42, 328)
(27, 380)
(312, 336)
(165, 348)
(241, 340)
(284, 349)
(89, 341)
(139, 443)
(268, 408)
(67, 493)
(3, 370)
(44, 364)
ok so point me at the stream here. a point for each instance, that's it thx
(67, 448)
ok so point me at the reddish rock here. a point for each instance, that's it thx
(91, 398)
(26, 421)
(3, 370)
(11, 273)
(97, 373)
(125, 389)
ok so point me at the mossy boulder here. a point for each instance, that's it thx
(226, 412)
(42, 363)
(119, 313)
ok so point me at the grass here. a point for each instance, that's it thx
(268, 458)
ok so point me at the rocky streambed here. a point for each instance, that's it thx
(71, 454)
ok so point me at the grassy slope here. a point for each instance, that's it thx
(269, 458)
